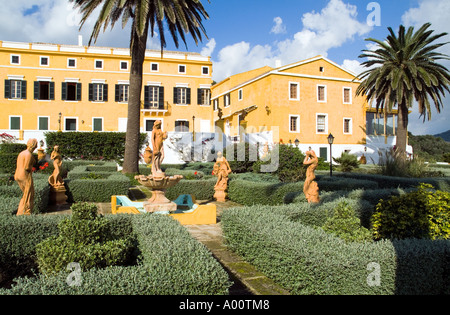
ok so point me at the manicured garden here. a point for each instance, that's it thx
(370, 233)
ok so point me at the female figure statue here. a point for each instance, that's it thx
(310, 188)
(55, 179)
(221, 170)
(158, 137)
(23, 177)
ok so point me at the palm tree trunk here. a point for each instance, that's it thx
(131, 157)
(402, 130)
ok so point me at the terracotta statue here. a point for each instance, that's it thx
(158, 137)
(221, 170)
(310, 188)
(55, 179)
(23, 176)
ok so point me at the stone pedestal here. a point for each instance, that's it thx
(220, 195)
(159, 203)
(58, 195)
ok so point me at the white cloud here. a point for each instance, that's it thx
(278, 28)
(333, 26)
(209, 48)
(354, 66)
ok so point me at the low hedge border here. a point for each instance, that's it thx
(172, 263)
(202, 189)
(307, 260)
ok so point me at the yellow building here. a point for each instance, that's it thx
(304, 101)
(49, 87)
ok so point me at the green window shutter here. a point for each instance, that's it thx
(78, 91)
(105, 92)
(36, 90)
(175, 95)
(117, 93)
(24, 90)
(43, 123)
(188, 96)
(199, 96)
(7, 89)
(51, 90)
(161, 97)
(91, 92)
(98, 124)
(146, 95)
(15, 123)
(64, 91)
(324, 153)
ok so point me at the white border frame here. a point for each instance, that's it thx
(151, 66)
(343, 95)
(70, 67)
(326, 124)
(325, 93)
(103, 124)
(298, 91)
(205, 67)
(40, 61)
(155, 119)
(185, 69)
(48, 123)
(15, 55)
(95, 64)
(120, 65)
(350, 126)
(297, 126)
(70, 117)
(15, 116)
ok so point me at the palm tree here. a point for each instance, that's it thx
(180, 17)
(404, 69)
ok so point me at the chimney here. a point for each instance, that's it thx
(80, 40)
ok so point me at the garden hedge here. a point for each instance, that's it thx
(172, 262)
(307, 260)
(202, 189)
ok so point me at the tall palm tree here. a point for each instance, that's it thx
(179, 16)
(404, 69)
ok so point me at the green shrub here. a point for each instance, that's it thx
(90, 145)
(345, 224)
(12, 147)
(307, 260)
(98, 190)
(84, 239)
(347, 162)
(419, 214)
(202, 189)
(241, 156)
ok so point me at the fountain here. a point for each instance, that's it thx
(158, 182)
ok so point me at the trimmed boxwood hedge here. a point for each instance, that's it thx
(97, 190)
(172, 263)
(307, 260)
(202, 189)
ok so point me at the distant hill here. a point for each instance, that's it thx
(444, 135)
(431, 148)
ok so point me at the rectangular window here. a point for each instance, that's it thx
(153, 97)
(124, 65)
(149, 124)
(321, 123)
(97, 124)
(204, 97)
(44, 90)
(154, 67)
(323, 153)
(347, 125)
(294, 123)
(226, 100)
(43, 123)
(70, 124)
(182, 96)
(321, 93)
(182, 126)
(205, 70)
(240, 94)
(15, 122)
(181, 69)
(294, 91)
(347, 95)
(15, 89)
(15, 59)
(71, 91)
(122, 92)
(98, 92)
(216, 104)
(44, 61)
(98, 64)
(71, 63)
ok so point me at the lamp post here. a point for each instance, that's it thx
(59, 121)
(330, 141)
(296, 142)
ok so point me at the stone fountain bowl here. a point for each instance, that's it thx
(159, 181)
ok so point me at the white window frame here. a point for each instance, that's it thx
(103, 123)
(326, 123)
(216, 104)
(48, 122)
(155, 119)
(151, 67)
(95, 64)
(153, 93)
(182, 96)
(240, 94)
(185, 69)
(298, 91)
(68, 61)
(15, 116)
(16, 90)
(203, 68)
(98, 93)
(65, 121)
(297, 127)
(185, 120)
(205, 98)
(350, 126)
(120, 65)
(126, 94)
(227, 100)
(325, 93)
(11, 59)
(350, 95)
(40, 61)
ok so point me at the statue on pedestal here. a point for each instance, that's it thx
(310, 188)
(23, 176)
(158, 137)
(221, 170)
(57, 189)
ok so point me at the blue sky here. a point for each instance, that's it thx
(247, 34)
